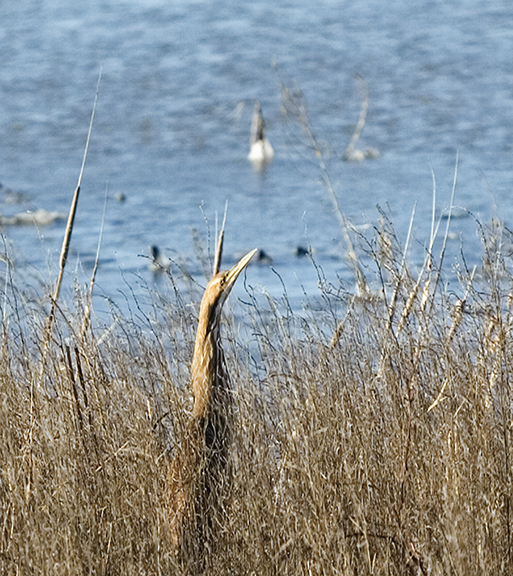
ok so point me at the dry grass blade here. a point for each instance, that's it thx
(424, 271)
(219, 246)
(73, 209)
(87, 312)
(398, 284)
(446, 235)
(69, 229)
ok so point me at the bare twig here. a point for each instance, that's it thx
(295, 104)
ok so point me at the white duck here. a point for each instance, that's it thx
(260, 149)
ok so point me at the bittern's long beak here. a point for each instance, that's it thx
(233, 274)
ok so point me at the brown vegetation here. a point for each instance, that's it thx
(383, 449)
(370, 436)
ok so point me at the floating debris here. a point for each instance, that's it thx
(38, 217)
(357, 155)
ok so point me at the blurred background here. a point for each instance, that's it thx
(171, 134)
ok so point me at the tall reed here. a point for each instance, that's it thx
(372, 435)
(379, 451)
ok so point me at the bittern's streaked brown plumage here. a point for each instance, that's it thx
(202, 456)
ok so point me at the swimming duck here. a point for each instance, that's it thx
(159, 262)
(301, 251)
(260, 149)
(263, 258)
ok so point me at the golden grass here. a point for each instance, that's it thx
(377, 451)
(372, 436)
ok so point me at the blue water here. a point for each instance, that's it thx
(171, 131)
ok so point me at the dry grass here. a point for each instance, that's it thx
(372, 436)
(383, 450)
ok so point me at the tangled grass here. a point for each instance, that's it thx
(372, 436)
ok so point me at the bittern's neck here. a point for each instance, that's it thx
(206, 369)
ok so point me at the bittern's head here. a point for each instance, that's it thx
(218, 289)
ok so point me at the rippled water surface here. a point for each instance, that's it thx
(174, 109)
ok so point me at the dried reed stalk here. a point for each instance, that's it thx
(67, 236)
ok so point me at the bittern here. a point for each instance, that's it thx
(199, 461)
